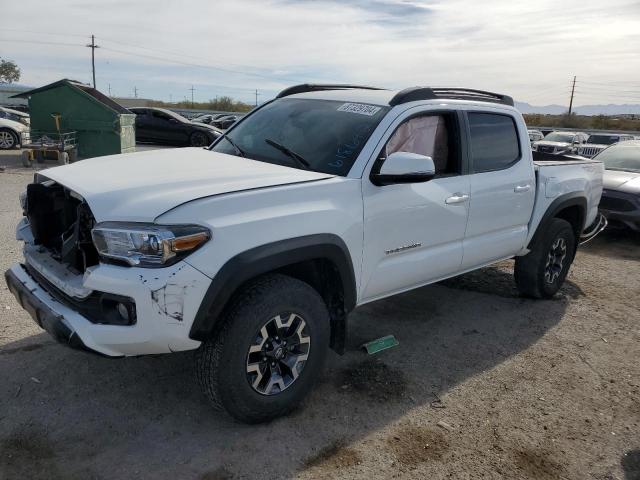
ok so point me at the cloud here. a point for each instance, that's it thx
(529, 50)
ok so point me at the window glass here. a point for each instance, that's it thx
(326, 134)
(427, 135)
(494, 141)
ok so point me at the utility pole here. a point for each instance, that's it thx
(192, 90)
(170, 98)
(257, 97)
(109, 89)
(93, 47)
(135, 92)
(573, 89)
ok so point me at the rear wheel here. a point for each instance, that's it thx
(541, 272)
(8, 139)
(268, 352)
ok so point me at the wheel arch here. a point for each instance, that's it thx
(571, 207)
(322, 260)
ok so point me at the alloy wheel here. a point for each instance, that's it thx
(6, 140)
(278, 354)
(555, 260)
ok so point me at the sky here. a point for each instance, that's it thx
(529, 50)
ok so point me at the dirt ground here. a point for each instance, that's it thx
(484, 384)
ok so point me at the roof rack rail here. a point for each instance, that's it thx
(428, 93)
(317, 87)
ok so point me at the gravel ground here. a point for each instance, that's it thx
(484, 384)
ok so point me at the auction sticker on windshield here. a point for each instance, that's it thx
(362, 109)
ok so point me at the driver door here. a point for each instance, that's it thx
(413, 233)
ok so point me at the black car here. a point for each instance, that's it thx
(225, 122)
(208, 118)
(157, 125)
(620, 201)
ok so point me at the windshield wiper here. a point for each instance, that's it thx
(299, 159)
(233, 144)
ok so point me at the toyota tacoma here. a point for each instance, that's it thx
(253, 251)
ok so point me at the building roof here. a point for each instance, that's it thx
(89, 90)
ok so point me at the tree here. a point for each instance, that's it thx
(9, 71)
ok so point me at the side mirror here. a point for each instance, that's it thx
(404, 167)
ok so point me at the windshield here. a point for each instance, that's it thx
(559, 137)
(603, 139)
(621, 157)
(327, 135)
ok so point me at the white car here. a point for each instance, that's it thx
(560, 143)
(599, 141)
(535, 135)
(255, 250)
(11, 133)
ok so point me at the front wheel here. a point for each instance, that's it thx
(8, 139)
(541, 272)
(268, 352)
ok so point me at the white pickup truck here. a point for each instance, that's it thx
(254, 251)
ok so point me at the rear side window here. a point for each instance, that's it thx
(494, 141)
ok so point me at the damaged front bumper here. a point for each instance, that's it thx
(166, 302)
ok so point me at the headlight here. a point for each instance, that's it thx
(147, 245)
(534, 147)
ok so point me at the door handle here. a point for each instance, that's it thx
(522, 188)
(456, 198)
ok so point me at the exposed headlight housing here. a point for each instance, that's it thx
(147, 245)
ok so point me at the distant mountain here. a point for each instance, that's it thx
(610, 109)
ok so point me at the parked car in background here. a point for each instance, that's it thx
(11, 133)
(208, 118)
(15, 115)
(558, 143)
(158, 125)
(620, 201)
(599, 141)
(225, 122)
(535, 135)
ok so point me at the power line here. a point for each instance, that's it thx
(39, 42)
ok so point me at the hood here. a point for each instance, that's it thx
(623, 181)
(139, 187)
(20, 127)
(546, 143)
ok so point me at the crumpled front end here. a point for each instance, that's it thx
(111, 309)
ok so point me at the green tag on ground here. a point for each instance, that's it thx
(380, 344)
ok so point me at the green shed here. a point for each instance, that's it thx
(103, 126)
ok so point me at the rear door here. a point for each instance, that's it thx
(502, 183)
(413, 233)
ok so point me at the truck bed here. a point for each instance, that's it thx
(558, 178)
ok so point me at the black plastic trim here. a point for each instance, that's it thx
(267, 258)
(318, 87)
(559, 204)
(98, 308)
(413, 94)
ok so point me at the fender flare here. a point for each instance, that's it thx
(266, 258)
(563, 201)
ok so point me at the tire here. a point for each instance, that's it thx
(199, 139)
(541, 272)
(8, 139)
(224, 364)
